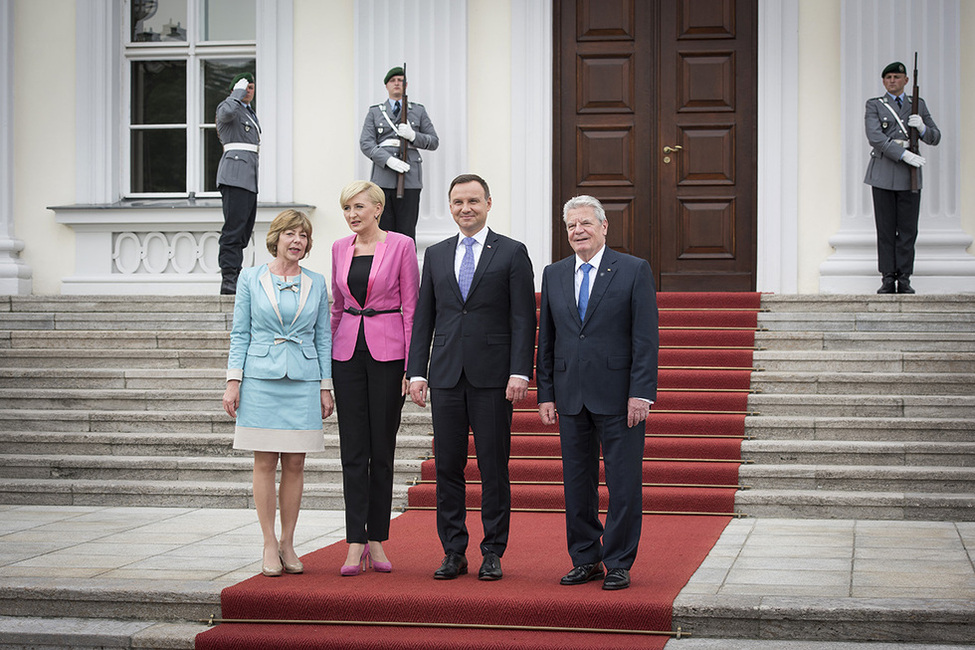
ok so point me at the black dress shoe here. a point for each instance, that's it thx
(889, 284)
(453, 565)
(582, 574)
(904, 284)
(616, 579)
(490, 567)
(228, 284)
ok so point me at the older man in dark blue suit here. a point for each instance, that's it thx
(597, 364)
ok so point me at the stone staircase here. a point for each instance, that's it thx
(116, 402)
(865, 409)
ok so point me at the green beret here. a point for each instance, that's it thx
(243, 75)
(896, 67)
(392, 73)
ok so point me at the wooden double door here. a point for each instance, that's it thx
(655, 115)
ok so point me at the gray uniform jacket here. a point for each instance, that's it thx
(888, 137)
(237, 125)
(379, 141)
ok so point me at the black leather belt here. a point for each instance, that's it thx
(369, 311)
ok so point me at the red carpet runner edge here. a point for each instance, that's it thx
(691, 461)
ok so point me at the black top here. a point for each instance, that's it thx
(358, 285)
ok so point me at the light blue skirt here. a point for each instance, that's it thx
(279, 415)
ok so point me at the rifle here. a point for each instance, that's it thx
(403, 143)
(913, 133)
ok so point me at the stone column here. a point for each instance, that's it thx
(436, 68)
(15, 275)
(873, 34)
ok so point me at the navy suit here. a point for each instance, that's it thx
(477, 345)
(590, 368)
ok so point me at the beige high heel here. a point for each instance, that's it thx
(291, 567)
(270, 571)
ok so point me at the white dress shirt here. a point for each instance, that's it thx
(593, 272)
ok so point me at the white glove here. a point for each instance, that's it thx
(913, 159)
(401, 167)
(241, 84)
(918, 123)
(406, 131)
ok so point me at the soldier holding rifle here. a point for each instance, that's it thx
(392, 135)
(894, 123)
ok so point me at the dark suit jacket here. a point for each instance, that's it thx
(611, 356)
(489, 337)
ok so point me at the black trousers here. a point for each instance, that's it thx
(896, 214)
(486, 413)
(400, 215)
(239, 214)
(581, 436)
(369, 403)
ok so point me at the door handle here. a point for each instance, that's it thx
(673, 149)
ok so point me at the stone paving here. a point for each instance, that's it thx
(839, 561)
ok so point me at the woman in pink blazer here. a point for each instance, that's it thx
(375, 280)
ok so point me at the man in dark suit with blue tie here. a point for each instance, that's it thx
(477, 306)
(597, 365)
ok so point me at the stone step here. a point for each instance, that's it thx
(864, 361)
(919, 406)
(866, 322)
(184, 445)
(167, 379)
(111, 400)
(145, 600)
(18, 633)
(115, 340)
(848, 504)
(880, 341)
(864, 383)
(860, 478)
(184, 494)
(870, 303)
(844, 452)
(81, 358)
(116, 320)
(197, 422)
(877, 429)
(116, 304)
(228, 469)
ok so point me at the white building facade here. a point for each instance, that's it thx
(96, 95)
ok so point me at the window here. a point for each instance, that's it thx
(180, 57)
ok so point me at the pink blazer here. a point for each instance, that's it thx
(394, 281)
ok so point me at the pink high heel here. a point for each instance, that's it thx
(381, 567)
(365, 561)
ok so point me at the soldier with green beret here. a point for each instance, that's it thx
(239, 131)
(380, 142)
(888, 120)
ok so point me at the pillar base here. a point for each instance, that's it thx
(941, 264)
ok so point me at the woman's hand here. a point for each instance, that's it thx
(406, 386)
(231, 398)
(327, 404)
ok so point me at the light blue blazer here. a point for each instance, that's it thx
(263, 346)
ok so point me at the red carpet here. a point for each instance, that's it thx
(691, 460)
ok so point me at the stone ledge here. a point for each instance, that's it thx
(826, 619)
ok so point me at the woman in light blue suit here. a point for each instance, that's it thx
(279, 379)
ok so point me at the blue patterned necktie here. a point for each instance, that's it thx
(900, 104)
(396, 110)
(466, 273)
(584, 290)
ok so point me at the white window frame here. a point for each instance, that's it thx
(194, 52)
(99, 67)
